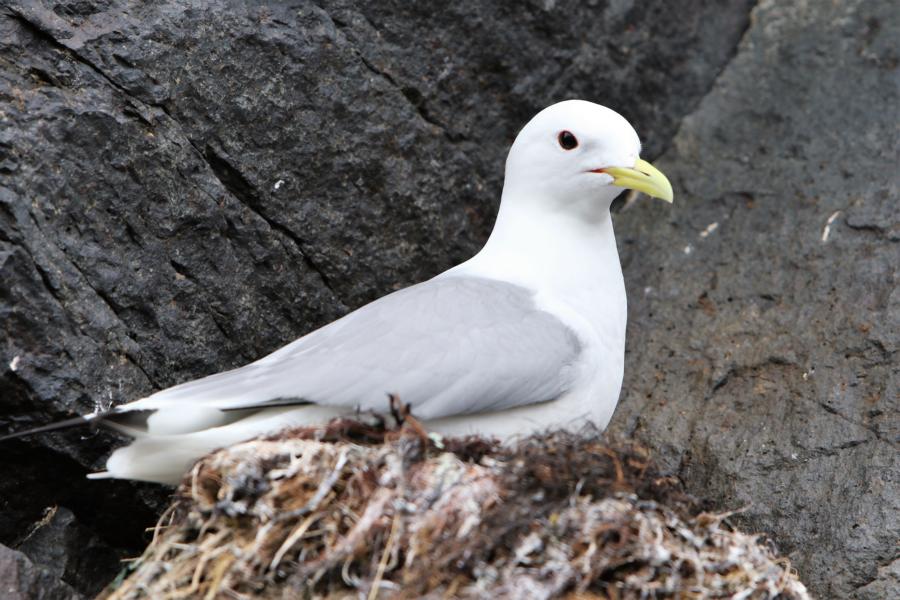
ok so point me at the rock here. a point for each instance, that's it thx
(187, 187)
(315, 514)
(764, 306)
(70, 551)
(886, 583)
(20, 579)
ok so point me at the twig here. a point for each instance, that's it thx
(291, 540)
(388, 547)
(322, 491)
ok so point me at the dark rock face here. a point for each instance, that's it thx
(69, 550)
(187, 186)
(21, 579)
(765, 308)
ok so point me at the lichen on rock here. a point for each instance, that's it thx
(350, 510)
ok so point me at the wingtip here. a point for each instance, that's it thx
(58, 425)
(100, 475)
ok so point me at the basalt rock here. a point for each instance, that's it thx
(21, 579)
(185, 186)
(765, 308)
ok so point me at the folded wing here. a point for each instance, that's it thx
(448, 346)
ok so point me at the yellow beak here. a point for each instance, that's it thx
(643, 177)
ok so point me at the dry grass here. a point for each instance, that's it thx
(353, 512)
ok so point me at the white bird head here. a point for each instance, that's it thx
(581, 155)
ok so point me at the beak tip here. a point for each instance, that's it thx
(643, 177)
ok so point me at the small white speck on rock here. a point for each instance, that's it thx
(278, 185)
(688, 249)
(709, 229)
(826, 231)
(14, 364)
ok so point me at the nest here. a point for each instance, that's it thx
(352, 512)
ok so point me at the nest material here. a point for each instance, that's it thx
(348, 512)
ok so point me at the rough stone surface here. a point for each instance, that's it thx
(763, 349)
(21, 579)
(185, 186)
(70, 551)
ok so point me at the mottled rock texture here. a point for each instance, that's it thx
(21, 579)
(185, 186)
(764, 307)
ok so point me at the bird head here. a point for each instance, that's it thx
(581, 154)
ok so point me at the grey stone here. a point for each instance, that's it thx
(884, 585)
(70, 551)
(185, 186)
(762, 352)
(20, 579)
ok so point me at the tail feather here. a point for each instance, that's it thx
(166, 458)
(163, 454)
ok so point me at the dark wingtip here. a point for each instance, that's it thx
(65, 424)
(272, 403)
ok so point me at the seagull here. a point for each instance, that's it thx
(528, 335)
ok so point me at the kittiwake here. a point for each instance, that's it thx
(527, 335)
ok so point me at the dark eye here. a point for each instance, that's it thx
(567, 140)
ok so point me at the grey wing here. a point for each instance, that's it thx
(448, 346)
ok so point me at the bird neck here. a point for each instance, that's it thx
(562, 253)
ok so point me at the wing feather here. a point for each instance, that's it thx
(451, 345)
